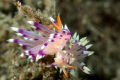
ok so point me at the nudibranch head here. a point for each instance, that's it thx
(66, 33)
(63, 31)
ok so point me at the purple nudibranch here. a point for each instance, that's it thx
(67, 50)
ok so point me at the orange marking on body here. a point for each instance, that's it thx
(71, 67)
(59, 22)
(56, 27)
(65, 72)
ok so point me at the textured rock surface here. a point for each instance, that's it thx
(98, 20)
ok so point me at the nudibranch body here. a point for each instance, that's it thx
(67, 50)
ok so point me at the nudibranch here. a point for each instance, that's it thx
(67, 50)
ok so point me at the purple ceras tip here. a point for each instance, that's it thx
(68, 33)
(37, 29)
(82, 52)
(51, 64)
(54, 36)
(55, 22)
(24, 54)
(33, 57)
(41, 53)
(24, 47)
(86, 54)
(66, 38)
(62, 58)
(52, 40)
(30, 52)
(36, 24)
(24, 35)
(61, 35)
(20, 30)
(46, 44)
(85, 48)
(15, 40)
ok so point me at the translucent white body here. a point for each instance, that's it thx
(57, 45)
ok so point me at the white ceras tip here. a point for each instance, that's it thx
(49, 39)
(22, 55)
(47, 66)
(72, 72)
(33, 27)
(86, 52)
(39, 34)
(52, 19)
(60, 70)
(64, 51)
(51, 35)
(77, 38)
(38, 57)
(30, 22)
(10, 40)
(19, 34)
(43, 47)
(21, 44)
(27, 52)
(30, 57)
(86, 70)
(91, 53)
(83, 38)
(56, 67)
(14, 28)
(31, 60)
(88, 46)
(75, 34)
(85, 42)
(25, 38)
(31, 39)
(66, 27)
